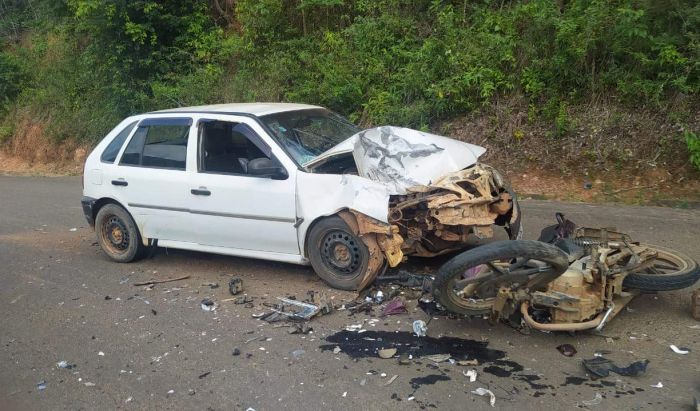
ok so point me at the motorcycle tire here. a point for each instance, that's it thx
(449, 273)
(683, 272)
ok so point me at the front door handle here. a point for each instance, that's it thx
(200, 192)
(119, 183)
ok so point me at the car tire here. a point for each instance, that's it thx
(117, 234)
(336, 254)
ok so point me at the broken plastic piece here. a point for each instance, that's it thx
(595, 401)
(678, 350)
(436, 357)
(567, 350)
(601, 367)
(208, 305)
(419, 328)
(391, 380)
(64, 364)
(657, 385)
(387, 353)
(395, 306)
(471, 374)
(484, 391)
(305, 310)
(299, 328)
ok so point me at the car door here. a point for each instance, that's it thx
(230, 206)
(151, 178)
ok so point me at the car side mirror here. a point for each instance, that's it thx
(264, 167)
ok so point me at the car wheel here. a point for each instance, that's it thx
(117, 234)
(337, 255)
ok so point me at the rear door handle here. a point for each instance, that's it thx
(200, 192)
(119, 183)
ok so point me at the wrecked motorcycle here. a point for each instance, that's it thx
(574, 278)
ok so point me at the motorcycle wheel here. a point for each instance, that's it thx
(669, 271)
(469, 282)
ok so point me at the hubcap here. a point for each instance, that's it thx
(340, 252)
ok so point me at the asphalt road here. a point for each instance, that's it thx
(138, 348)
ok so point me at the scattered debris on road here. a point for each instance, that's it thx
(208, 305)
(235, 285)
(387, 353)
(681, 350)
(167, 280)
(419, 328)
(484, 391)
(601, 367)
(567, 350)
(595, 401)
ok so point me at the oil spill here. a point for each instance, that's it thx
(428, 380)
(571, 380)
(367, 344)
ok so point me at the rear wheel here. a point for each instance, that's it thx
(469, 283)
(337, 255)
(117, 234)
(669, 270)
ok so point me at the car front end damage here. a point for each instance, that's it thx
(432, 220)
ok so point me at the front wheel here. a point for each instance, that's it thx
(337, 255)
(117, 234)
(669, 270)
(469, 282)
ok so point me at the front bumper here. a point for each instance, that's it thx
(88, 204)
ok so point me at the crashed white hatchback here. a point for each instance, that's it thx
(293, 183)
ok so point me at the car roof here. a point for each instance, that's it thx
(257, 109)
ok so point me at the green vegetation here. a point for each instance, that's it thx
(82, 65)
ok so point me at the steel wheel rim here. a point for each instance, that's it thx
(115, 235)
(341, 252)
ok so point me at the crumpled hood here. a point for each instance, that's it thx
(401, 158)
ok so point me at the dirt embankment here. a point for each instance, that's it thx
(607, 154)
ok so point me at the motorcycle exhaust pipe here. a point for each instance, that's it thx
(597, 322)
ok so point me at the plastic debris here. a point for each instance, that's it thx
(601, 367)
(681, 350)
(567, 350)
(657, 385)
(336, 350)
(345, 394)
(419, 328)
(101, 354)
(64, 364)
(297, 310)
(213, 286)
(393, 307)
(151, 282)
(73, 229)
(392, 379)
(387, 353)
(436, 357)
(484, 391)
(170, 392)
(595, 401)
(468, 362)
(299, 328)
(41, 385)
(379, 297)
(208, 305)
(297, 354)
(235, 285)
(353, 327)
(471, 374)
(405, 359)
(89, 384)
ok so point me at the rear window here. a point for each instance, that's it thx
(110, 153)
(160, 143)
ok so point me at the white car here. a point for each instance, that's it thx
(293, 183)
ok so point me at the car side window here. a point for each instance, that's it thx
(227, 147)
(110, 153)
(159, 143)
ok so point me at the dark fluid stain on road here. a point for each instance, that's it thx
(571, 380)
(367, 344)
(428, 380)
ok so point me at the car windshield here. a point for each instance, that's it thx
(307, 133)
